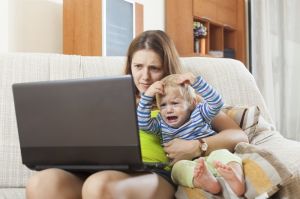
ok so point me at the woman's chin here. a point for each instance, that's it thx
(143, 89)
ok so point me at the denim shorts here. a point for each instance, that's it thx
(166, 175)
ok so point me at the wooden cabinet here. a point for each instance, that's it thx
(226, 17)
(179, 25)
(205, 8)
(224, 20)
(82, 26)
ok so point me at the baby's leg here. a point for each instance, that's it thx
(204, 179)
(233, 174)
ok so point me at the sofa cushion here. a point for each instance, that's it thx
(15, 68)
(12, 193)
(286, 151)
(230, 78)
(245, 116)
(264, 175)
(106, 66)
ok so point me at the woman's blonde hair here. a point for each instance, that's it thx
(160, 43)
(186, 90)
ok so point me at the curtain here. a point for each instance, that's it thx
(275, 41)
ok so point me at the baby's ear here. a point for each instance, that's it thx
(193, 103)
(186, 82)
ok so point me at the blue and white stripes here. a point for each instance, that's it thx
(198, 125)
(213, 101)
(145, 121)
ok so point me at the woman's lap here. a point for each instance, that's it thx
(136, 185)
(133, 185)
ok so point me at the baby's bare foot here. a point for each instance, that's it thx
(233, 178)
(204, 179)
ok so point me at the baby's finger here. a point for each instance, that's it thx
(160, 91)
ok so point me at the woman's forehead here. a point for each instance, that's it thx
(146, 55)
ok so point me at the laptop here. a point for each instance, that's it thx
(79, 125)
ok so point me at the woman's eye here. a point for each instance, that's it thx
(155, 69)
(138, 66)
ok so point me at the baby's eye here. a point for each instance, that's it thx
(162, 105)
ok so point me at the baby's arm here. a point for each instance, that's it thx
(213, 100)
(156, 88)
(145, 121)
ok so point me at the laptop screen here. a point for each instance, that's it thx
(78, 122)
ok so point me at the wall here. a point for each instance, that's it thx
(154, 14)
(36, 25)
(4, 26)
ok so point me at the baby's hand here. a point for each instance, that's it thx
(156, 88)
(186, 78)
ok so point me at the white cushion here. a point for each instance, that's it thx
(230, 77)
(12, 193)
(24, 68)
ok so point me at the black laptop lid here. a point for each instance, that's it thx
(78, 122)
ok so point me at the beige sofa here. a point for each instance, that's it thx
(230, 77)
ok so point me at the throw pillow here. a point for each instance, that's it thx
(245, 117)
(264, 175)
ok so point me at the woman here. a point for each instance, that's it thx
(151, 56)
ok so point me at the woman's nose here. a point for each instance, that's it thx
(145, 74)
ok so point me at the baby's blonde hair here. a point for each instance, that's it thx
(188, 93)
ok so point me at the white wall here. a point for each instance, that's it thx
(36, 25)
(4, 26)
(154, 14)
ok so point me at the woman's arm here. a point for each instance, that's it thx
(228, 137)
(230, 134)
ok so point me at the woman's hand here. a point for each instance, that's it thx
(180, 149)
(186, 78)
(156, 88)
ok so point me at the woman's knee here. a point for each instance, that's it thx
(52, 181)
(112, 185)
(33, 185)
(116, 185)
(98, 185)
(37, 182)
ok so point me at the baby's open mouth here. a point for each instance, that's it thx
(172, 118)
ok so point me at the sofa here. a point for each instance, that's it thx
(230, 77)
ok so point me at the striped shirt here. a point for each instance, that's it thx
(199, 124)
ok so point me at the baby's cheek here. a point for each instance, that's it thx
(185, 107)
